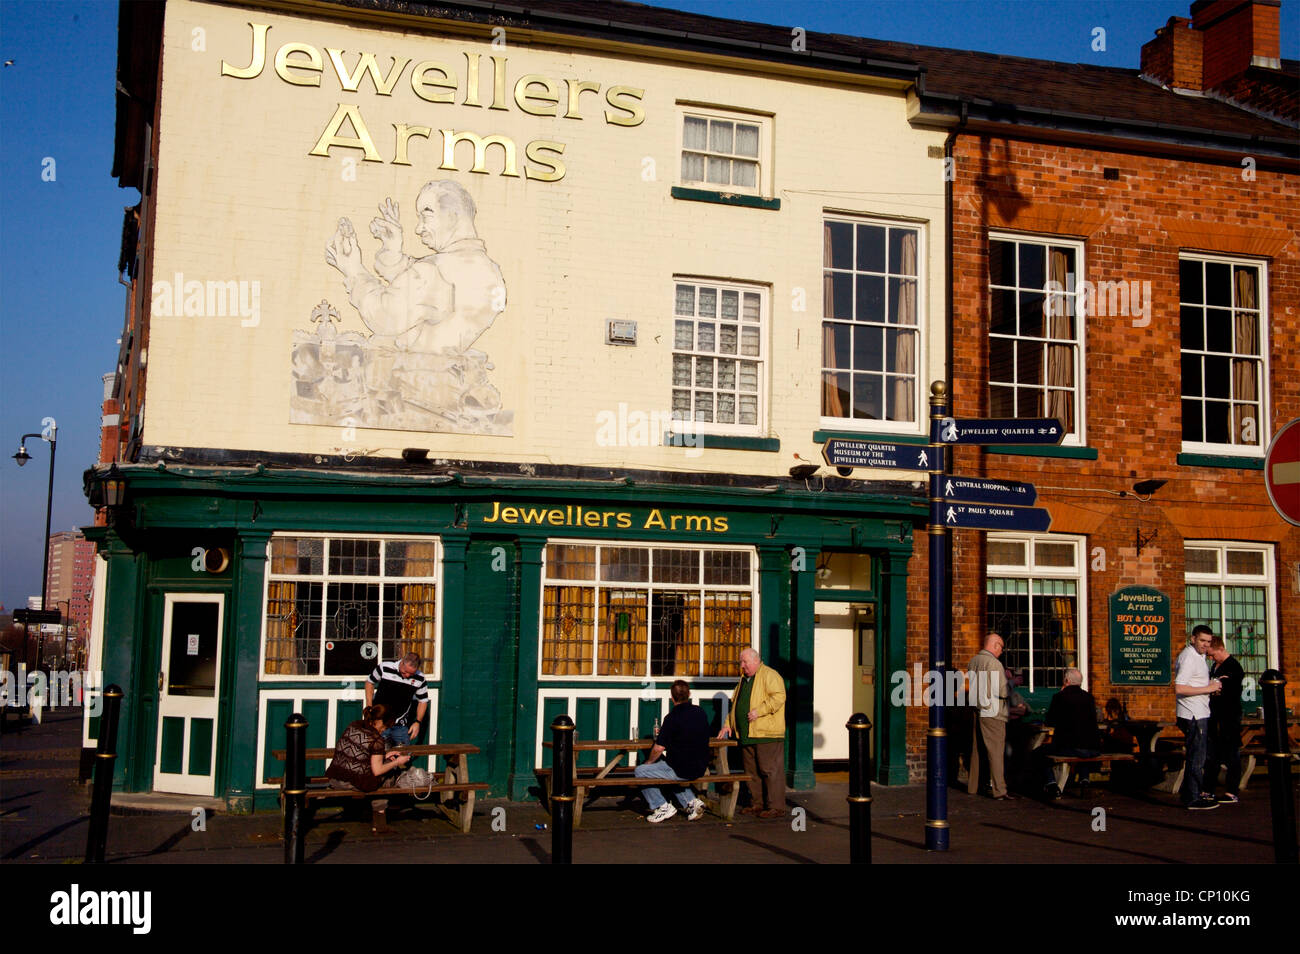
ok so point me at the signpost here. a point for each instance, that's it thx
(956, 503)
(839, 452)
(959, 516)
(37, 617)
(1001, 430)
(1282, 472)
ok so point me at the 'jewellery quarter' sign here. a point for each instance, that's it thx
(434, 81)
(1139, 636)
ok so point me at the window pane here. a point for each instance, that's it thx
(706, 339)
(868, 349)
(744, 174)
(839, 240)
(1054, 554)
(752, 307)
(692, 167)
(871, 298)
(748, 409)
(704, 407)
(1006, 553)
(726, 412)
(726, 567)
(746, 140)
(1033, 266)
(748, 376)
(410, 558)
(749, 342)
(1192, 328)
(1245, 563)
(727, 339)
(681, 370)
(684, 336)
(695, 133)
(1200, 560)
(685, 302)
(1218, 330)
(719, 171)
(1218, 284)
(727, 375)
(570, 562)
(676, 566)
(871, 248)
(868, 396)
(730, 304)
(708, 302)
(720, 136)
(1002, 318)
(568, 627)
(625, 564)
(1002, 263)
(1189, 282)
(704, 372)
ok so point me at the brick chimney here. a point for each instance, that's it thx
(1238, 34)
(1222, 40)
(1174, 57)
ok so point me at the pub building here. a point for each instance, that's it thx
(513, 338)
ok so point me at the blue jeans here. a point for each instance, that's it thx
(396, 735)
(1196, 732)
(653, 796)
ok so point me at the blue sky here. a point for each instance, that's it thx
(61, 305)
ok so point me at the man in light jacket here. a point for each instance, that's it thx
(760, 729)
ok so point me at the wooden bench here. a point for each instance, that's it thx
(1062, 765)
(455, 780)
(589, 780)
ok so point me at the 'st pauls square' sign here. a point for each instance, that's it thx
(467, 82)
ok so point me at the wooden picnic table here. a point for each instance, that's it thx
(455, 774)
(588, 780)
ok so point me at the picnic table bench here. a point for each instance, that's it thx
(455, 777)
(589, 780)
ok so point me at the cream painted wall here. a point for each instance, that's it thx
(239, 199)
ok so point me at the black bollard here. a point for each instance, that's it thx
(295, 786)
(562, 791)
(1279, 768)
(102, 792)
(859, 727)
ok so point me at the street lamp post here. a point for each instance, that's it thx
(50, 434)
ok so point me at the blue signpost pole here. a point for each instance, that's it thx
(936, 749)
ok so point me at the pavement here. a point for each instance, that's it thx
(44, 814)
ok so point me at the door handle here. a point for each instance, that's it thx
(160, 681)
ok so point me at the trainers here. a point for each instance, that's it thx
(662, 813)
(1202, 804)
(1227, 798)
(697, 809)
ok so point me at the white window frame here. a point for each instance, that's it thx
(764, 121)
(1263, 429)
(1222, 578)
(920, 393)
(764, 387)
(432, 668)
(1079, 436)
(649, 587)
(1032, 570)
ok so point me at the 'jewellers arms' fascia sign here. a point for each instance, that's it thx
(301, 64)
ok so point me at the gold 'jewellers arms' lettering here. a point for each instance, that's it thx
(301, 64)
(574, 515)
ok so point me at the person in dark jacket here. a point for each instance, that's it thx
(1225, 725)
(361, 762)
(683, 743)
(1073, 718)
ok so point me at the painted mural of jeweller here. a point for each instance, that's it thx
(417, 370)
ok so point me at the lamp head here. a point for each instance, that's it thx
(22, 456)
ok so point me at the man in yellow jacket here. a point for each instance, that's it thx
(760, 698)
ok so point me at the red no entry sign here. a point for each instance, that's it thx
(1282, 472)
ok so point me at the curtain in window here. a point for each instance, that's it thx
(1060, 357)
(566, 631)
(905, 350)
(727, 630)
(281, 622)
(623, 635)
(418, 621)
(832, 406)
(1245, 371)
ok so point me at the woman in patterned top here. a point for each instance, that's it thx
(361, 763)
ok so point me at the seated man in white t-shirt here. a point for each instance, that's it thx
(1193, 688)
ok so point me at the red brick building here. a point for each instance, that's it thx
(1158, 212)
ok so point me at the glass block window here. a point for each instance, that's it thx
(1033, 590)
(719, 356)
(1229, 587)
(723, 152)
(335, 605)
(646, 611)
(873, 280)
(1036, 331)
(1222, 323)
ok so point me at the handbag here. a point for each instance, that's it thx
(416, 778)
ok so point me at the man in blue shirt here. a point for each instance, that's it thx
(684, 744)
